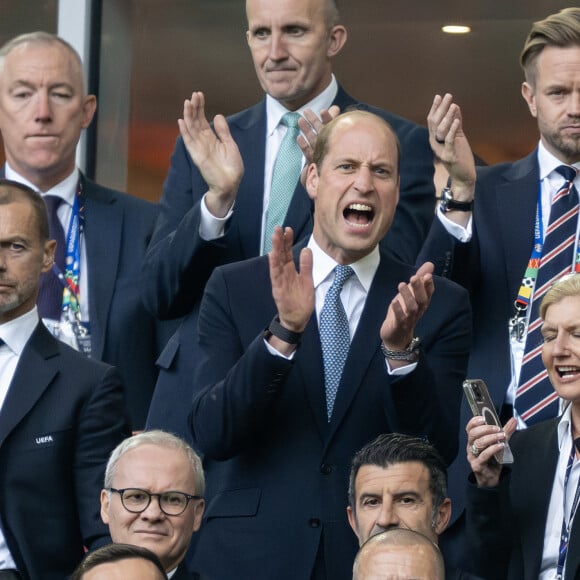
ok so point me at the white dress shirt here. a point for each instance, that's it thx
(15, 335)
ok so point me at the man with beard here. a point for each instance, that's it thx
(497, 232)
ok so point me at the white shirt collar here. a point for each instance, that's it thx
(275, 110)
(323, 265)
(66, 189)
(17, 332)
(565, 429)
(548, 163)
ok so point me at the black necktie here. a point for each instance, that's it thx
(50, 294)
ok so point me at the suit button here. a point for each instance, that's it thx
(314, 522)
(326, 469)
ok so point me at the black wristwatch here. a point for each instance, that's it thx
(277, 330)
(449, 204)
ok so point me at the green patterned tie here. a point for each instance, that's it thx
(284, 178)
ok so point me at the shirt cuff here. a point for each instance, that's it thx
(463, 234)
(401, 371)
(275, 352)
(211, 227)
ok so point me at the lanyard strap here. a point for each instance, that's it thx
(71, 305)
(530, 275)
(567, 525)
(70, 277)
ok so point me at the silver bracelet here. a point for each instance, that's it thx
(411, 353)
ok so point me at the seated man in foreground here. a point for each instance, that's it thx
(399, 554)
(153, 497)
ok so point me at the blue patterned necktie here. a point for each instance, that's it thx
(536, 399)
(284, 178)
(334, 335)
(50, 293)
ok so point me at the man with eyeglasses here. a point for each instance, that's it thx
(153, 497)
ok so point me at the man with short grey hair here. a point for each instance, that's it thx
(90, 297)
(153, 497)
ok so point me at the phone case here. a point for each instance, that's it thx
(481, 404)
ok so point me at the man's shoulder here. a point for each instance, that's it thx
(509, 170)
(57, 353)
(242, 269)
(182, 573)
(402, 126)
(104, 194)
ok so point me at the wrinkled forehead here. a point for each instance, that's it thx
(50, 61)
(285, 12)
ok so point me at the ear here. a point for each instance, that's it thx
(199, 509)
(48, 255)
(312, 180)
(105, 506)
(530, 97)
(352, 519)
(248, 37)
(89, 108)
(443, 516)
(336, 40)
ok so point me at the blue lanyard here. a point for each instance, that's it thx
(566, 527)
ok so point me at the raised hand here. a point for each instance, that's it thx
(293, 290)
(310, 125)
(450, 144)
(406, 309)
(214, 152)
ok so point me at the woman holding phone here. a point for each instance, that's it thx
(520, 522)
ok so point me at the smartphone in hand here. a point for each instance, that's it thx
(481, 404)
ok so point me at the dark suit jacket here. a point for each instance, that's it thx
(491, 267)
(505, 525)
(118, 228)
(179, 263)
(182, 573)
(61, 418)
(277, 471)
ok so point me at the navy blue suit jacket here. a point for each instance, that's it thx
(505, 525)
(491, 266)
(276, 469)
(118, 228)
(62, 417)
(179, 262)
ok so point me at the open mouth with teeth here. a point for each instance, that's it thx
(567, 371)
(359, 214)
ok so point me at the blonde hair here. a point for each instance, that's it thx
(568, 285)
(561, 30)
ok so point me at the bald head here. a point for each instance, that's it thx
(399, 554)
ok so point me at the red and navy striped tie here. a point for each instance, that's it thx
(536, 399)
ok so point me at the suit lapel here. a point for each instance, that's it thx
(539, 457)
(249, 131)
(573, 557)
(31, 378)
(366, 340)
(516, 201)
(103, 231)
(311, 369)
